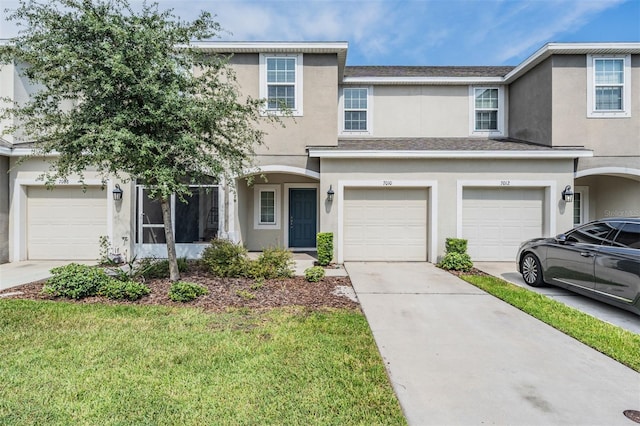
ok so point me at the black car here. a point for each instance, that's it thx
(600, 260)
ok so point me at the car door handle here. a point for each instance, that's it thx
(586, 254)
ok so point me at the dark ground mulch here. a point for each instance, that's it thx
(225, 293)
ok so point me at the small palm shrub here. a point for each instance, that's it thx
(182, 291)
(314, 274)
(325, 247)
(224, 258)
(76, 281)
(124, 290)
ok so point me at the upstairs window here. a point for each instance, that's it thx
(609, 86)
(487, 111)
(355, 110)
(281, 83)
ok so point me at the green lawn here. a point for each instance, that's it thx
(64, 363)
(613, 341)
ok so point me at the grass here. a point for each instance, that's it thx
(66, 363)
(613, 341)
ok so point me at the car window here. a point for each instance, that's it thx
(629, 236)
(594, 233)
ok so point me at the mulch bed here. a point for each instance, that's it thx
(225, 293)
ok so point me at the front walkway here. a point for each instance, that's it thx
(458, 356)
(18, 273)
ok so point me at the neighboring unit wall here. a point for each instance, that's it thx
(612, 196)
(4, 209)
(608, 137)
(420, 111)
(530, 106)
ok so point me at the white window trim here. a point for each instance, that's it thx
(584, 203)
(591, 88)
(297, 112)
(472, 112)
(257, 189)
(341, 112)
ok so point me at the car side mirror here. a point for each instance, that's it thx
(561, 238)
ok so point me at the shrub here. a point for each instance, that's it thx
(272, 263)
(456, 245)
(324, 241)
(456, 261)
(150, 267)
(246, 295)
(128, 290)
(76, 281)
(225, 259)
(182, 291)
(314, 274)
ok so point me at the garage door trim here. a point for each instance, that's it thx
(432, 208)
(550, 193)
(19, 214)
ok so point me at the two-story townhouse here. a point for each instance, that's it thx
(392, 160)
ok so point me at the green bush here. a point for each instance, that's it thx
(314, 274)
(324, 241)
(456, 261)
(76, 281)
(456, 245)
(225, 259)
(182, 291)
(272, 263)
(150, 267)
(127, 290)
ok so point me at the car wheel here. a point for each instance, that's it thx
(531, 270)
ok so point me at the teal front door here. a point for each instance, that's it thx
(302, 217)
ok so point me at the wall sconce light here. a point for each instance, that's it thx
(117, 193)
(567, 194)
(330, 193)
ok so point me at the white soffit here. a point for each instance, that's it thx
(559, 154)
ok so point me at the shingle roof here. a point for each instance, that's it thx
(441, 144)
(416, 71)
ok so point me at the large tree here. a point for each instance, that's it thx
(117, 92)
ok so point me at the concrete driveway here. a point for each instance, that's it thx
(18, 273)
(458, 356)
(611, 314)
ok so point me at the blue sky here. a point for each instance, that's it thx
(417, 32)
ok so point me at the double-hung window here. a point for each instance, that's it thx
(281, 83)
(609, 91)
(487, 110)
(355, 109)
(266, 203)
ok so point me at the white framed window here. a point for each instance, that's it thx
(281, 83)
(266, 206)
(580, 205)
(487, 111)
(609, 86)
(355, 103)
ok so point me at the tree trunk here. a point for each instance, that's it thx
(174, 273)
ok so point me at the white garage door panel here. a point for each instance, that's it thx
(385, 224)
(65, 223)
(496, 221)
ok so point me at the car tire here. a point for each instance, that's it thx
(531, 270)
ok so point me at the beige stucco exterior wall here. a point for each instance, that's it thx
(447, 173)
(420, 111)
(608, 137)
(611, 196)
(4, 209)
(530, 107)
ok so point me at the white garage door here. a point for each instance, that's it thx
(65, 223)
(496, 220)
(385, 224)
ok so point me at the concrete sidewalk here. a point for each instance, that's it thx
(458, 356)
(18, 273)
